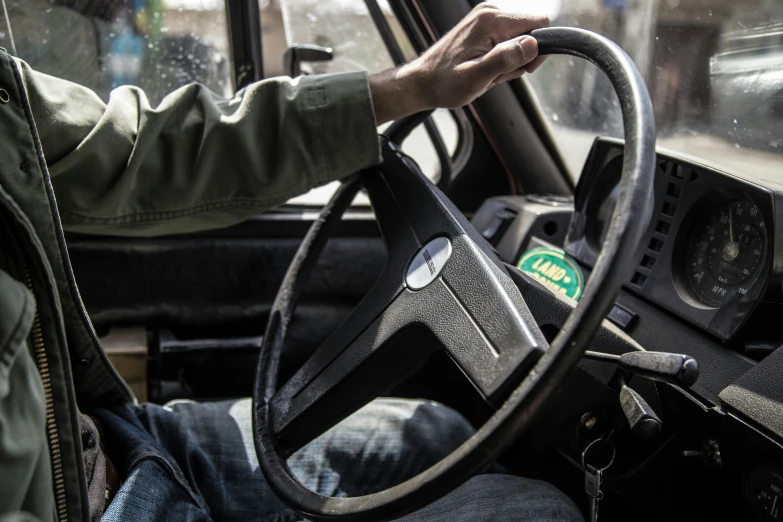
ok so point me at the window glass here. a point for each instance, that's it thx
(158, 45)
(714, 69)
(347, 28)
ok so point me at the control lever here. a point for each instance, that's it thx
(644, 422)
(674, 368)
(298, 53)
(709, 453)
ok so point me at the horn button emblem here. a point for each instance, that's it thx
(428, 263)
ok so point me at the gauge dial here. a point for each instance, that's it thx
(725, 250)
(764, 489)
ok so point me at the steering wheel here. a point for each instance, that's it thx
(442, 276)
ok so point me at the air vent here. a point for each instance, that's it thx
(675, 176)
(639, 279)
(662, 227)
(648, 262)
(656, 245)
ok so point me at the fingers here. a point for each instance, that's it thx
(489, 46)
(513, 75)
(504, 20)
(508, 56)
(517, 73)
(535, 64)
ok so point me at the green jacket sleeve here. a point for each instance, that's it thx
(197, 161)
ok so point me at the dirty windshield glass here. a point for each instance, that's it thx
(158, 45)
(714, 69)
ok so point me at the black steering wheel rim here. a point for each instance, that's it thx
(525, 403)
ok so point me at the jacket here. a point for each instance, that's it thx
(196, 161)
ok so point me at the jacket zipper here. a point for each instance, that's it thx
(42, 362)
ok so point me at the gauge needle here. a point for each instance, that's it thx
(731, 227)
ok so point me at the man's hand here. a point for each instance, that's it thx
(487, 47)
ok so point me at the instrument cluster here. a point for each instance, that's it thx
(708, 253)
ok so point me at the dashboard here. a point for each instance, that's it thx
(711, 253)
(705, 281)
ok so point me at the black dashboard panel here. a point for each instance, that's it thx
(709, 252)
(703, 219)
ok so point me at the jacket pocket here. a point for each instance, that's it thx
(17, 311)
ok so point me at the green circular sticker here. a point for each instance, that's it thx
(555, 270)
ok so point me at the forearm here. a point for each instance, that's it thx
(197, 161)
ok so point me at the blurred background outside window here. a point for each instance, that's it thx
(714, 69)
(157, 45)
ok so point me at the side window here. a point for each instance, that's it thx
(347, 28)
(158, 45)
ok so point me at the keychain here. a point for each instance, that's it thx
(594, 475)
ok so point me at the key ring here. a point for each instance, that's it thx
(611, 460)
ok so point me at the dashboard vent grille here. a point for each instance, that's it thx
(639, 279)
(675, 177)
(669, 209)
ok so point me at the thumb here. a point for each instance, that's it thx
(508, 56)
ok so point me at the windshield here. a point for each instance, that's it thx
(714, 69)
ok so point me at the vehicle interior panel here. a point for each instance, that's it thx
(209, 291)
(758, 393)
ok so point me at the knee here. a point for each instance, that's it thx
(435, 428)
(428, 429)
(401, 437)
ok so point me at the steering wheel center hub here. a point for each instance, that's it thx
(428, 263)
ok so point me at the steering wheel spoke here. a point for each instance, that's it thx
(348, 371)
(397, 231)
(509, 334)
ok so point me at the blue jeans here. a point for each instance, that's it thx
(189, 462)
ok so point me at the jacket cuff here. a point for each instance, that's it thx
(340, 113)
